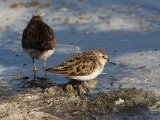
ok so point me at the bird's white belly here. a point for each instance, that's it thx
(38, 54)
(88, 77)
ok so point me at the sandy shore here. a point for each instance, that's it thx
(71, 101)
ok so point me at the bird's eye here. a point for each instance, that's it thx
(103, 56)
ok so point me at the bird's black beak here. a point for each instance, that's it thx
(111, 61)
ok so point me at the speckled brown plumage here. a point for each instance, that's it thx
(80, 64)
(38, 40)
(38, 35)
(77, 66)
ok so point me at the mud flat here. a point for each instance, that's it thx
(41, 100)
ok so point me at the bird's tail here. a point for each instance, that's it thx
(55, 70)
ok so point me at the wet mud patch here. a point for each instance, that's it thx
(70, 88)
(40, 99)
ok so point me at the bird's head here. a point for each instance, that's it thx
(103, 56)
(36, 18)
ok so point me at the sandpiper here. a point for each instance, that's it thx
(38, 40)
(82, 66)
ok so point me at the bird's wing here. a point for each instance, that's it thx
(76, 66)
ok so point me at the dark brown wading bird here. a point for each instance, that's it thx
(38, 40)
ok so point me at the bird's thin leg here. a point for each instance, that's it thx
(44, 65)
(86, 87)
(34, 74)
(45, 75)
(44, 68)
(34, 65)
